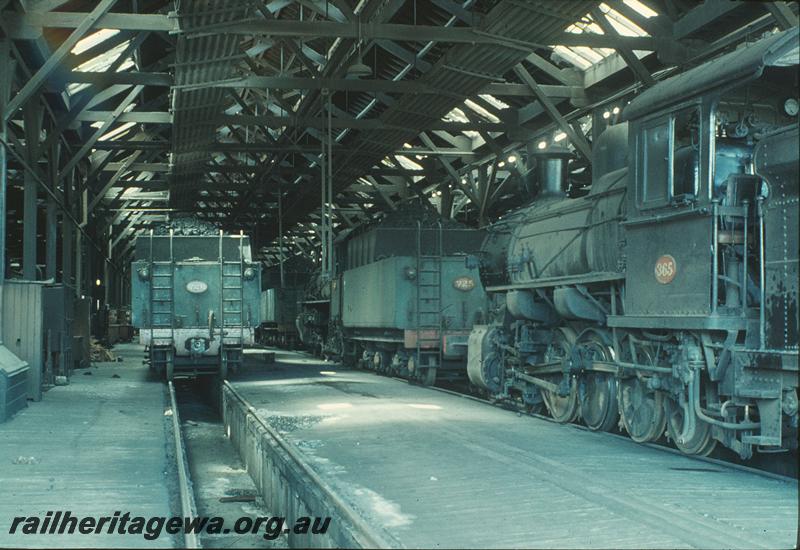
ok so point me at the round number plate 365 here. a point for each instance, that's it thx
(666, 269)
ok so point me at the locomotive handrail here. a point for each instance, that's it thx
(657, 218)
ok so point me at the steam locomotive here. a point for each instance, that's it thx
(194, 298)
(404, 298)
(667, 297)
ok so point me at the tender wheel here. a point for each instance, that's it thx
(700, 444)
(428, 376)
(381, 361)
(411, 366)
(641, 409)
(223, 367)
(563, 409)
(599, 389)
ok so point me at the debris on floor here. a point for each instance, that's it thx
(101, 354)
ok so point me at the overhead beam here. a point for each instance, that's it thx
(140, 117)
(783, 14)
(158, 117)
(108, 78)
(702, 15)
(340, 84)
(317, 29)
(19, 24)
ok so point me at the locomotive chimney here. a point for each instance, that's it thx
(551, 170)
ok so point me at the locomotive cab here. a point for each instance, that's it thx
(699, 242)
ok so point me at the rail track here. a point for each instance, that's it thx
(766, 465)
(188, 508)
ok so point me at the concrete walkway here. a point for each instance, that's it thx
(94, 447)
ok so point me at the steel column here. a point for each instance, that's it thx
(67, 235)
(51, 251)
(34, 114)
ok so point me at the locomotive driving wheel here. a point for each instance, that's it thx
(641, 409)
(701, 443)
(426, 374)
(598, 393)
(564, 408)
(381, 361)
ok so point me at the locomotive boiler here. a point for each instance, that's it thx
(194, 299)
(665, 299)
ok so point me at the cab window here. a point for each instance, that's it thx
(685, 155)
(655, 165)
(670, 159)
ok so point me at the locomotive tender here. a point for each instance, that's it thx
(195, 301)
(280, 301)
(404, 300)
(666, 298)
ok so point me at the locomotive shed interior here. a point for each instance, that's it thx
(399, 273)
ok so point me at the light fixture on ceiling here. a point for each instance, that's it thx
(359, 68)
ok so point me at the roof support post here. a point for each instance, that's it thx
(34, 115)
(51, 250)
(7, 68)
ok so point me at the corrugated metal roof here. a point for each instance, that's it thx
(200, 59)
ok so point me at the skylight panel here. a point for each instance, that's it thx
(480, 110)
(117, 132)
(622, 24)
(640, 8)
(493, 101)
(406, 162)
(74, 88)
(584, 57)
(93, 40)
(127, 64)
(104, 60)
(568, 55)
(456, 115)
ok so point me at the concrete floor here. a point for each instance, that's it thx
(436, 470)
(93, 447)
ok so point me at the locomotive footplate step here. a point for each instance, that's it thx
(91, 448)
(430, 469)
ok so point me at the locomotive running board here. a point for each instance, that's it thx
(688, 322)
(557, 281)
